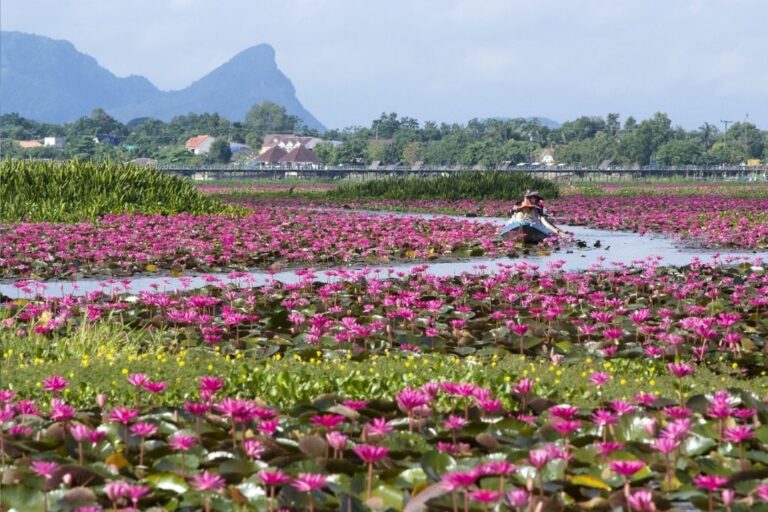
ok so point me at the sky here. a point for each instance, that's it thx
(444, 60)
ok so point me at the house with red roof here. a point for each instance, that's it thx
(199, 145)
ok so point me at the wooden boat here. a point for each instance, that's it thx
(530, 232)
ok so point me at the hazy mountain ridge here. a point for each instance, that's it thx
(51, 81)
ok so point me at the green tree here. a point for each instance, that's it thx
(220, 152)
(82, 147)
(582, 128)
(268, 117)
(750, 137)
(385, 126)
(353, 151)
(412, 153)
(589, 152)
(9, 149)
(482, 152)
(100, 125)
(612, 124)
(707, 134)
(730, 152)
(327, 154)
(514, 151)
(679, 152)
(647, 138)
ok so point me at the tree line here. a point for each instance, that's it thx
(587, 141)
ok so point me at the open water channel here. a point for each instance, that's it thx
(601, 248)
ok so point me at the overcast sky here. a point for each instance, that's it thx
(444, 60)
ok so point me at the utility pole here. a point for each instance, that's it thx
(726, 123)
(744, 131)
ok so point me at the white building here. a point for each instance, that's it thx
(56, 142)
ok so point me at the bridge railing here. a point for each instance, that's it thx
(458, 168)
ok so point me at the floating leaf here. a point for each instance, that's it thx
(591, 481)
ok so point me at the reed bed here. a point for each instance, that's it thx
(463, 185)
(74, 191)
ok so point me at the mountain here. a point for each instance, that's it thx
(50, 81)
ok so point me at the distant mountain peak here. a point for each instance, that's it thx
(51, 81)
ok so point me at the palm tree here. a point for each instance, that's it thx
(707, 134)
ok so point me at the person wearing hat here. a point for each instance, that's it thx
(528, 217)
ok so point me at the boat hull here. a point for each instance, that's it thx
(529, 232)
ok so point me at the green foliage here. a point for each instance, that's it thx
(268, 117)
(679, 152)
(220, 152)
(461, 185)
(390, 139)
(74, 191)
(726, 153)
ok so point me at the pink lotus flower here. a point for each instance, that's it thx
(123, 415)
(563, 412)
(665, 444)
(336, 440)
(43, 468)
(497, 467)
(62, 412)
(136, 492)
(485, 496)
(273, 478)
(710, 482)
(599, 379)
(207, 482)
(680, 370)
(602, 418)
(329, 421)
(738, 433)
(517, 498)
(55, 384)
(454, 422)
(566, 427)
(409, 399)
(608, 447)
(355, 405)
(308, 482)
(180, 441)
(370, 454)
(538, 458)
(459, 480)
(79, 431)
(210, 385)
(117, 490)
(253, 448)
(138, 380)
(143, 429)
(524, 387)
(379, 427)
(626, 468)
(641, 501)
(156, 386)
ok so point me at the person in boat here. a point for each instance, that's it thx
(528, 217)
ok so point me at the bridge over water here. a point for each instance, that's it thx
(227, 172)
